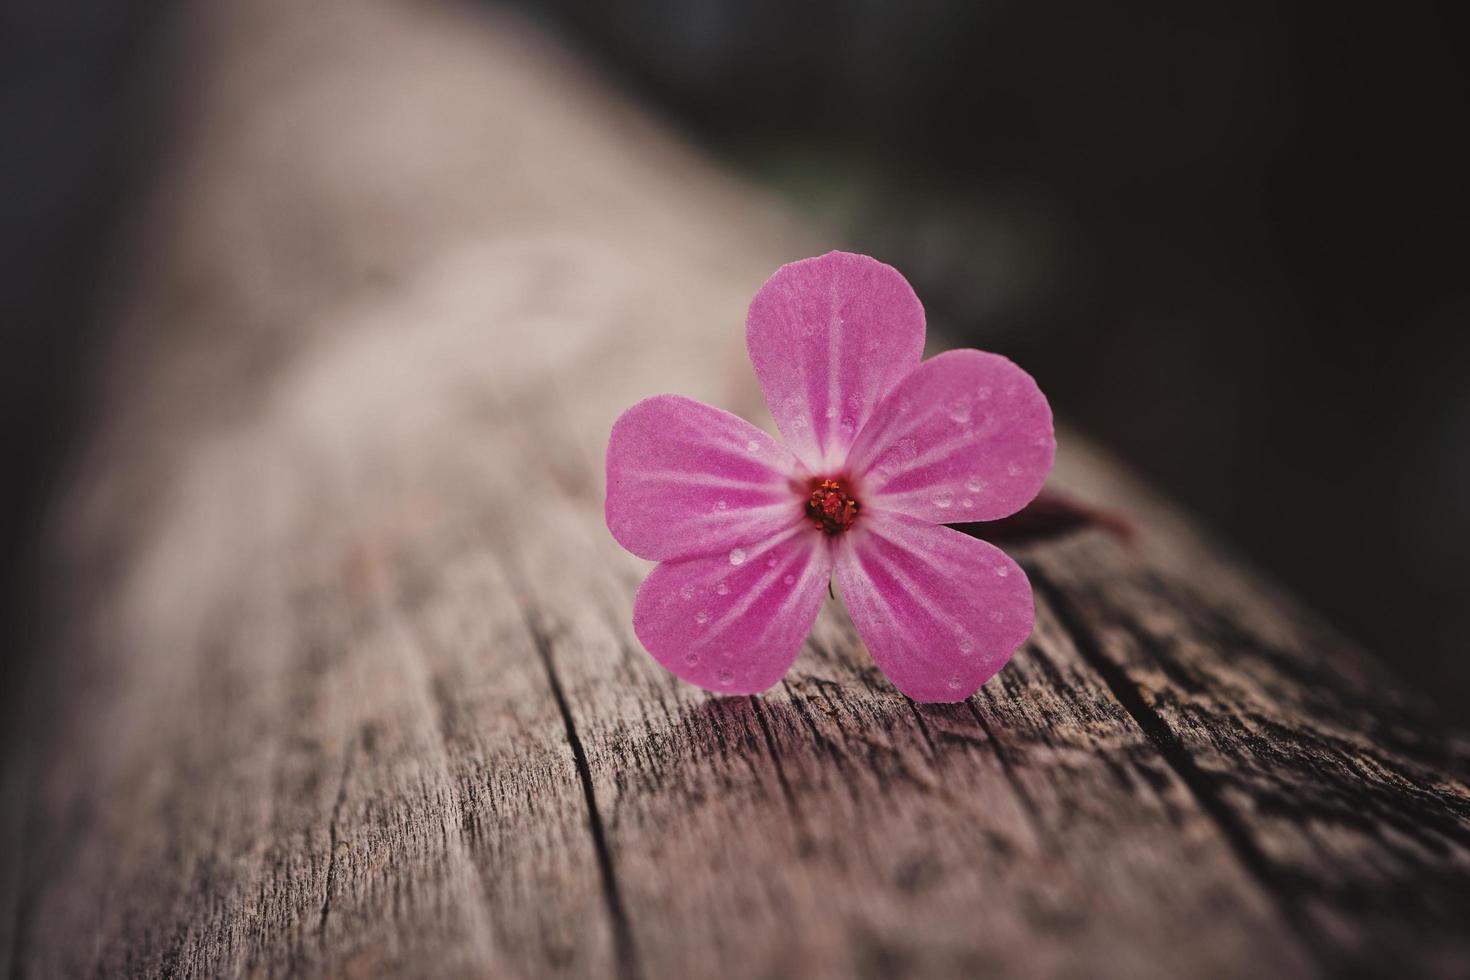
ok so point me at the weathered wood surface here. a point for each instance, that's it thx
(337, 674)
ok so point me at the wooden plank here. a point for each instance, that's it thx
(1338, 791)
(841, 829)
(337, 674)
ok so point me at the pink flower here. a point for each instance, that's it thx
(880, 452)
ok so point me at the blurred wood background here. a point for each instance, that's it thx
(336, 673)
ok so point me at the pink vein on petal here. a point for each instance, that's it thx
(754, 594)
(939, 611)
(828, 338)
(979, 451)
(685, 478)
(733, 628)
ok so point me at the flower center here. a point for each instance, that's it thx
(831, 506)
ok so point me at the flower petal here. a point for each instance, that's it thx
(687, 479)
(829, 337)
(733, 622)
(940, 611)
(965, 437)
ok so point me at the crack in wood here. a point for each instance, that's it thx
(760, 717)
(1171, 748)
(625, 952)
(332, 825)
(1008, 769)
(924, 730)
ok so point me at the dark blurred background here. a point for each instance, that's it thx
(1229, 239)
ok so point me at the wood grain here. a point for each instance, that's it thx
(336, 674)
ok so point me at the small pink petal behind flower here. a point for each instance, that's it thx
(734, 622)
(940, 611)
(829, 337)
(686, 479)
(965, 437)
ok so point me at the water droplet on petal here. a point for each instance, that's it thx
(966, 646)
(831, 412)
(752, 446)
(974, 484)
(798, 423)
(943, 499)
(722, 589)
(1012, 469)
(686, 592)
(726, 675)
(771, 562)
(789, 580)
(898, 455)
(701, 617)
(997, 617)
(959, 411)
(737, 556)
(848, 425)
(691, 659)
(721, 505)
(1001, 571)
(953, 683)
(967, 503)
